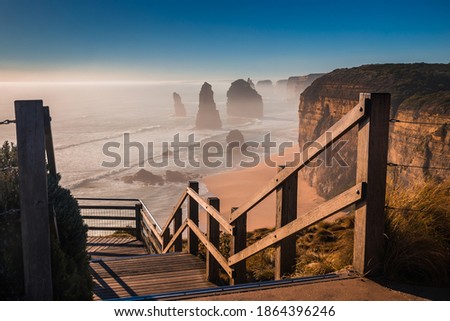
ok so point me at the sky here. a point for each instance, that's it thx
(152, 40)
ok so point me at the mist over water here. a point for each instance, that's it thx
(86, 116)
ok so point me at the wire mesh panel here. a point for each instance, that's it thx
(109, 220)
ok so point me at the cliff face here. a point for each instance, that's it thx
(207, 115)
(265, 87)
(296, 85)
(243, 100)
(178, 105)
(419, 93)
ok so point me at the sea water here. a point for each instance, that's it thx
(86, 116)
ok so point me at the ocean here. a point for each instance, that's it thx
(86, 116)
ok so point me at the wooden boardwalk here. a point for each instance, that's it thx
(121, 268)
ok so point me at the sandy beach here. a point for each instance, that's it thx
(236, 187)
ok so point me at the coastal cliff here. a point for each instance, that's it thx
(420, 99)
(297, 84)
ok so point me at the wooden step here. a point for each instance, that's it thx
(146, 275)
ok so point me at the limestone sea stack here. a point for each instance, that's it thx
(178, 105)
(207, 115)
(265, 87)
(243, 100)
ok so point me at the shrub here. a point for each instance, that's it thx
(71, 277)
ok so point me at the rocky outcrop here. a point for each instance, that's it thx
(145, 177)
(297, 84)
(265, 87)
(419, 93)
(207, 115)
(243, 100)
(235, 135)
(281, 87)
(250, 82)
(178, 105)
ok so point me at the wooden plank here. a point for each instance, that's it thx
(339, 129)
(371, 166)
(213, 233)
(239, 243)
(174, 212)
(323, 211)
(286, 212)
(192, 214)
(175, 236)
(51, 163)
(178, 245)
(33, 200)
(211, 248)
(210, 210)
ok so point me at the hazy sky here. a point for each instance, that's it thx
(170, 40)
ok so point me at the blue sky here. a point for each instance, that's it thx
(193, 40)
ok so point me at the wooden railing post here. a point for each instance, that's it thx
(371, 167)
(238, 243)
(213, 233)
(138, 215)
(49, 142)
(286, 212)
(178, 245)
(192, 214)
(33, 200)
(166, 238)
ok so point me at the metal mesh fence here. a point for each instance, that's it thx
(109, 220)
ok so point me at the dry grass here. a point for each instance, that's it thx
(418, 234)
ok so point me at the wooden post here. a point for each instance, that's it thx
(166, 238)
(138, 214)
(49, 142)
(33, 200)
(286, 212)
(178, 245)
(213, 233)
(192, 214)
(238, 243)
(371, 166)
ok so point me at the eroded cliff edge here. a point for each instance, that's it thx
(420, 93)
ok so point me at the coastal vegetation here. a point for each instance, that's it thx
(71, 277)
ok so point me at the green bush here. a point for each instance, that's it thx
(70, 263)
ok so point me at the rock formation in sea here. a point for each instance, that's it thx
(178, 105)
(281, 87)
(250, 82)
(297, 84)
(235, 135)
(265, 87)
(243, 100)
(419, 93)
(145, 177)
(207, 116)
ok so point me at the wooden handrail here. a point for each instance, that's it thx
(175, 236)
(210, 247)
(174, 212)
(321, 212)
(210, 210)
(341, 127)
(152, 228)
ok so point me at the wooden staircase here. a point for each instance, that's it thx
(121, 268)
(137, 274)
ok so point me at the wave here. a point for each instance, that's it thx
(140, 130)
